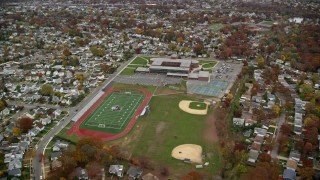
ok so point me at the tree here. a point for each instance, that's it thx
(105, 68)
(198, 49)
(265, 157)
(261, 62)
(3, 105)
(307, 173)
(46, 90)
(16, 131)
(180, 40)
(286, 129)
(93, 169)
(306, 92)
(193, 176)
(311, 135)
(307, 148)
(25, 124)
(164, 171)
(66, 52)
(276, 110)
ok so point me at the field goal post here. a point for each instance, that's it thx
(101, 126)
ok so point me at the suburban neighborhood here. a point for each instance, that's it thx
(149, 89)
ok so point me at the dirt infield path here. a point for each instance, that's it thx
(210, 133)
(184, 106)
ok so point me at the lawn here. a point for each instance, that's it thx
(271, 129)
(215, 26)
(68, 137)
(121, 85)
(208, 65)
(140, 60)
(198, 105)
(128, 71)
(166, 127)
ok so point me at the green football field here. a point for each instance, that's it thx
(114, 112)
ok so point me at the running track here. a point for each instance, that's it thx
(108, 136)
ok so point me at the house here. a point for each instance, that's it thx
(271, 97)
(56, 164)
(45, 121)
(256, 146)
(291, 164)
(14, 172)
(253, 156)
(149, 176)
(5, 112)
(134, 172)
(59, 145)
(260, 131)
(259, 139)
(81, 173)
(57, 112)
(23, 146)
(289, 174)
(55, 155)
(15, 164)
(238, 122)
(117, 170)
(295, 155)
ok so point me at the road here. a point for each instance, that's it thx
(37, 163)
(281, 120)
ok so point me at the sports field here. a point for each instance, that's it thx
(114, 112)
(113, 115)
(214, 88)
(215, 27)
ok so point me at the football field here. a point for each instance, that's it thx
(114, 112)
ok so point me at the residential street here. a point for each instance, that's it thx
(281, 120)
(37, 164)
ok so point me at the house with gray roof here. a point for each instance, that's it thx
(134, 172)
(289, 174)
(117, 170)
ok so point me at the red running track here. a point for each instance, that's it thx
(103, 135)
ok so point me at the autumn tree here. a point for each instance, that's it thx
(46, 90)
(3, 104)
(198, 49)
(25, 124)
(193, 176)
(276, 110)
(286, 129)
(265, 171)
(93, 169)
(311, 135)
(66, 52)
(307, 173)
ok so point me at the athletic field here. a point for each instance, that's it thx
(114, 112)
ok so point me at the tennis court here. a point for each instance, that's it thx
(214, 88)
(114, 112)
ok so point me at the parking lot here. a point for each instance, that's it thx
(148, 79)
(222, 78)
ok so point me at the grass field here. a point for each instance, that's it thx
(137, 62)
(121, 85)
(198, 105)
(166, 127)
(114, 112)
(215, 27)
(68, 137)
(140, 60)
(128, 71)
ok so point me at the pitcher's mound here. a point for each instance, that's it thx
(191, 152)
